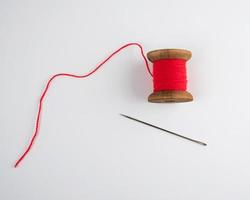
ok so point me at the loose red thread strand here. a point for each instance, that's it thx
(74, 76)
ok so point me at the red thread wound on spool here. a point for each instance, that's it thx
(170, 74)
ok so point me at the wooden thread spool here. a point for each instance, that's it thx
(168, 96)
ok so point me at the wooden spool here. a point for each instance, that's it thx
(168, 96)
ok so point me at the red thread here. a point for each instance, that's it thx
(169, 74)
(74, 76)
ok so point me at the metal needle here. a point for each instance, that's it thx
(176, 134)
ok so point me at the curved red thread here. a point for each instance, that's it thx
(169, 74)
(74, 76)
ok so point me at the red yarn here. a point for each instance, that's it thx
(169, 74)
(74, 76)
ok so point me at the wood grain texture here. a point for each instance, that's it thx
(169, 54)
(170, 97)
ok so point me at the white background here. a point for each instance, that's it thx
(85, 150)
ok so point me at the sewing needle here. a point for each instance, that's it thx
(176, 134)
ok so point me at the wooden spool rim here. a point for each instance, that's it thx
(170, 97)
(169, 54)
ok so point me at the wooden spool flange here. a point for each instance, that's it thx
(168, 96)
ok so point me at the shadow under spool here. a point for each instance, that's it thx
(169, 96)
